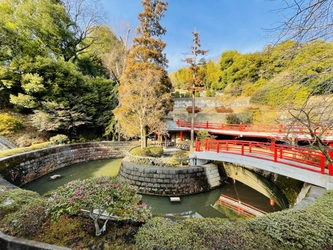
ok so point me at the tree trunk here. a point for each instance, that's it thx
(98, 230)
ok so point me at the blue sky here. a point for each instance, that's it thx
(222, 24)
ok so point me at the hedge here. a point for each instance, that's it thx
(309, 228)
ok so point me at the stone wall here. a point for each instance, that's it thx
(23, 168)
(170, 181)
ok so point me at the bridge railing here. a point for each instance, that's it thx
(239, 206)
(264, 128)
(312, 160)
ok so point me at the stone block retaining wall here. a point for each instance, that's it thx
(170, 181)
(23, 168)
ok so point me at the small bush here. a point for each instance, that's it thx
(24, 141)
(181, 154)
(152, 151)
(240, 118)
(9, 124)
(197, 94)
(196, 109)
(59, 139)
(155, 151)
(222, 109)
(160, 233)
(113, 196)
(187, 94)
(140, 151)
(14, 151)
(203, 134)
(177, 94)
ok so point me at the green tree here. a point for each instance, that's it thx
(180, 78)
(146, 64)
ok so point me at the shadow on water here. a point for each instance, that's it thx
(197, 205)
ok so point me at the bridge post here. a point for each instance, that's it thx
(330, 152)
(275, 154)
(322, 164)
(272, 145)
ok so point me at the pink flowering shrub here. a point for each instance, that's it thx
(106, 198)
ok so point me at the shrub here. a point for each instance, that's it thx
(216, 233)
(140, 151)
(155, 151)
(203, 134)
(187, 94)
(59, 139)
(177, 159)
(177, 94)
(160, 233)
(222, 109)
(197, 94)
(107, 197)
(23, 212)
(309, 228)
(14, 151)
(181, 154)
(24, 141)
(152, 151)
(196, 109)
(240, 118)
(9, 124)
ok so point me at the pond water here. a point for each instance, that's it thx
(197, 205)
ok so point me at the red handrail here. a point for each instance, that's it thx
(308, 159)
(246, 205)
(263, 128)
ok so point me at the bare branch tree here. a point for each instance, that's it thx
(306, 20)
(86, 15)
(196, 81)
(116, 60)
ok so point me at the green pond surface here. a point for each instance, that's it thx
(197, 205)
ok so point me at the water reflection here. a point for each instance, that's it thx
(207, 204)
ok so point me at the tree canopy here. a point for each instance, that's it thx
(52, 65)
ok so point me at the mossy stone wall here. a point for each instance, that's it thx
(23, 168)
(170, 181)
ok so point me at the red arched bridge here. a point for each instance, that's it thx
(276, 131)
(302, 164)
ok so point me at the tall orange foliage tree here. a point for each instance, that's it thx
(145, 90)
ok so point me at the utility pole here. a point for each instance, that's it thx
(195, 80)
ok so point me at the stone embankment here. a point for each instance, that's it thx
(170, 181)
(23, 168)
